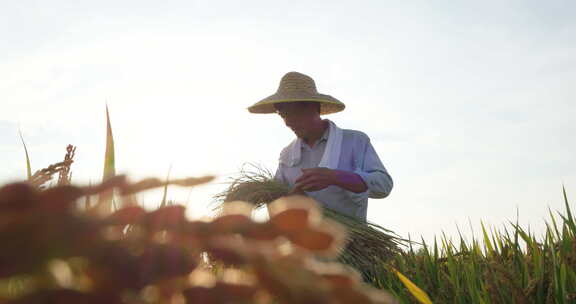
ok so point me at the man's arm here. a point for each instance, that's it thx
(374, 174)
(350, 181)
(315, 179)
(370, 176)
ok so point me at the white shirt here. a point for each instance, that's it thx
(357, 155)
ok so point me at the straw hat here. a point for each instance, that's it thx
(293, 87)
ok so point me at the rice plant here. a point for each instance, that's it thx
(509, 266)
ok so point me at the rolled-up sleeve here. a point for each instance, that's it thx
(374, 174)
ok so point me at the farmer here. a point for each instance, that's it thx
(337, 167)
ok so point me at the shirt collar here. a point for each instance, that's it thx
(324, 138)
(325, 135)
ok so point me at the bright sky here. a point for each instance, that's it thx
(470, 104)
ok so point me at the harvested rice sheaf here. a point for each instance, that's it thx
(368, 245)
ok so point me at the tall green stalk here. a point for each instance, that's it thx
(28, 167)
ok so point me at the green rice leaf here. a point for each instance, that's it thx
(487, 243)
(106, 199)
(418, 293)
(163, 203)
(109, 160)
(28, 167)
(570, 218)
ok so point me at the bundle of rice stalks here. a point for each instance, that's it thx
(368, 246)
(256, 186)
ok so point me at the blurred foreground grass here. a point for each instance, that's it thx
(56, 251)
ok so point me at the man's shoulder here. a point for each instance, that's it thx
(351, 134)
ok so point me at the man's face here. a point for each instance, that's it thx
(298, 116)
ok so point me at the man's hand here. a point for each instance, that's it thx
(315, 179)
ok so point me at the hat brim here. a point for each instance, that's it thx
(328, 104)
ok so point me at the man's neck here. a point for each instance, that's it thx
(316, 133)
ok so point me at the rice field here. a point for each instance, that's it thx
(52, 252)
(509, 266)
